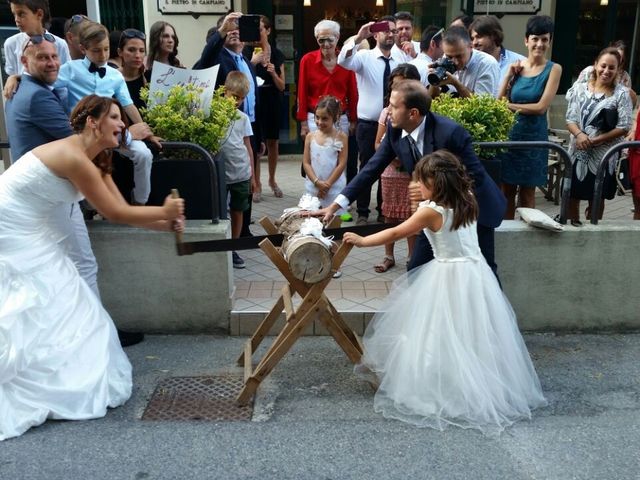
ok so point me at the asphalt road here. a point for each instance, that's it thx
(314, 420)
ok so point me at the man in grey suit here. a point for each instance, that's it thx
(36, 115)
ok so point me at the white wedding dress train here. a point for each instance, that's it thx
(445, 347)
(60, 357)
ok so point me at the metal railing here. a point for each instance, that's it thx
(599, 183)
(521, 145)
(216, 174)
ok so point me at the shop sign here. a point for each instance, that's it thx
(492, 7)
(200, 7)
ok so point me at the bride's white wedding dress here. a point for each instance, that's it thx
(60, 357)
(445, 347)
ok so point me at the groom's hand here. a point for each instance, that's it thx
(327, 213)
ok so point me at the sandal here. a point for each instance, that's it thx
(387, 263)
(276, 191)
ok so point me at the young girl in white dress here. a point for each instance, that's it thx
(325, 154)
(60, 357)
(445, 348)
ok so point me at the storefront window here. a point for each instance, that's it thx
(580, 36)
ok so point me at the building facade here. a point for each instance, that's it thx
(583, 27)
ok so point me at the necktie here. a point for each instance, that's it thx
(385, 77)
(413, 148)
(249, 102)
(102, 71)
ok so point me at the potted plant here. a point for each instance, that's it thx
(486, 118)
(177, 116)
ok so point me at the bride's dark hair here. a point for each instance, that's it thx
(96, 107)
(451, 186)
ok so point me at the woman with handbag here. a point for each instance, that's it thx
(529, 86)
(598, 117)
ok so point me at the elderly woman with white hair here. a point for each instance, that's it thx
(320, 75)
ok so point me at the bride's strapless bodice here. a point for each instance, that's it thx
(29, 182)
(451, 245)
(31, 197)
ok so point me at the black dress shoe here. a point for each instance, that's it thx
(130, 338)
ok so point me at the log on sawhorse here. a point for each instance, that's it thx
(314, 304)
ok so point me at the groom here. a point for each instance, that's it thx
(414, 132)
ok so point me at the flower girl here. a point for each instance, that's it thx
(325, 154)
(445, 347)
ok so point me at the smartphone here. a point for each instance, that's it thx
(249, 27)
(378, 27)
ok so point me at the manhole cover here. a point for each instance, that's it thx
(198, 398)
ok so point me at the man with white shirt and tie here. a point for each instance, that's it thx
(372, 69)
(409, 107)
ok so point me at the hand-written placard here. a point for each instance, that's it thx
(164, 76)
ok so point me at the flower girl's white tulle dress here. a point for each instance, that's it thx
(446, 347)
(59, 352)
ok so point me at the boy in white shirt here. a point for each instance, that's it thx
(238, 157)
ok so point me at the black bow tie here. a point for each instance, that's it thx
(102, 71)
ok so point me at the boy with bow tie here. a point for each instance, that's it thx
(92, 75)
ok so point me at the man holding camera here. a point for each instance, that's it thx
(470, 72)
(372, 68)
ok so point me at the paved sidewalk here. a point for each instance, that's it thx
(360, 289)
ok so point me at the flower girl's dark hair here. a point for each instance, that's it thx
(96, 107)
(451, 186)
(331, 104)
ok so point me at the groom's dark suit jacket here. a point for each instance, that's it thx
(35, 116)
(439, 132)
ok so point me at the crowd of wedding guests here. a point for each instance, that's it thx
(358, 73)
(70, 99)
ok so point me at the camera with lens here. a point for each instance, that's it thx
(441, 67)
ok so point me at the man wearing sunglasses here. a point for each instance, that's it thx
(30, 18)
(37, 115)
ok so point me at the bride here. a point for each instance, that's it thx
(60, 357)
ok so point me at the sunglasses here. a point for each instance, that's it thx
(77, 18)
(38, 39)
(326, 40)
(437, 34)
(133, 33)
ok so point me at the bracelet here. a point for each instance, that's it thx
(315, 182)
(581, 132)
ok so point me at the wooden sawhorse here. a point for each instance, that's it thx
(314, 301)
